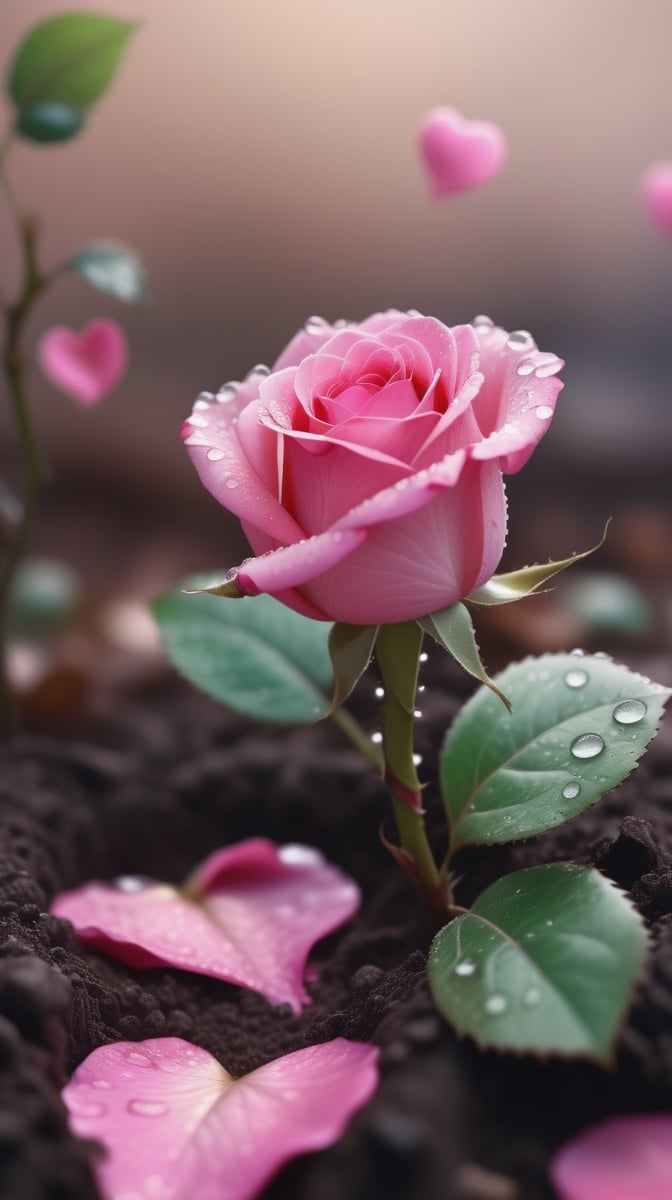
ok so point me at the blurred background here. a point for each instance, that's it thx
(261, 158)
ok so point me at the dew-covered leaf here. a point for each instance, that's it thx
(68, 59)
(256, 656)
(249, 915)
(112, 269)
(175, 1125)
(626, 1158)
(578, 727)
(545, 961)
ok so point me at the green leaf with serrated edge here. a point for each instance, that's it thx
(112, 269)
(516, 585)
(68, 59)
(453, 629)
(505, 777)
(350, 649)
(545, 962)
(257, 656)
(49, 123)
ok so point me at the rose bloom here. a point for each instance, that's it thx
(366, 467)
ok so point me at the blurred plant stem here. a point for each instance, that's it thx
(17, 313)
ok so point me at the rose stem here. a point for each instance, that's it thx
(17, 314)
(359, 738)
(398, 656)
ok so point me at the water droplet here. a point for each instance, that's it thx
(531, 997)
(227, 392)
(482, 322)
(103, 1084)
(377, 738)
(629, 712)
(140, 1060)
(465, 968)
(423, 657)
(549, 923)
(231, 482)
(543, 412)
(148, 1108)
(602, 654)
(587, 745)
(294, 855)
(197, 421)
(571, 790)
(379, 692)
(578, 652)
(526, 367)
(133, 883)
(215, 455)
(576, 678)
(520, 339)
(547, 365)
(260, 369)
(203, 401)
(417, 713)
(417, 759)
(316, 325)
(496, 1004)
(87, 1108)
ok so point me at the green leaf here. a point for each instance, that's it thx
(49, 122)
(350, 650)
(546, 961)
(516, 585)
(256, 655)
(68, 59)
(112, 269)
(579, 726)
(44, 598)
(453, 629)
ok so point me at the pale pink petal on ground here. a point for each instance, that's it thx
(176, 1126)
(458, 154)
(253, 925)
(211, 437)
(424, 560)
(627, 1158)
(86, 365)
(656, 195)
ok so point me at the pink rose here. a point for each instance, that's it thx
(366, 468)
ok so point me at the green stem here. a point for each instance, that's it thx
(398, 655)
(17, 314)
(359, 738)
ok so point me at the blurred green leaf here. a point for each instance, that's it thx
(546, 962)
(68, 59)
(44, 598)
(112, 269)
(578, 727)
(49, 122)
(255, 655)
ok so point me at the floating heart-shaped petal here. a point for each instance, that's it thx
(176, 1125)
(628, 1158)
(86, 365)
(458, 154)
(248, 915)
(656, 193)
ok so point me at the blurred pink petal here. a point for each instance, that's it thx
(176, 1126)
(249, 915)
(86, 365)
(656, 193)
(458, 154)
(628, 1158)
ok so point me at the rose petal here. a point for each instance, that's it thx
(292, 566)
(175, 1125)
(628, 1158)
(249, 915)
(86, 365)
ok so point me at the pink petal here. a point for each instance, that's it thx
(216, 448)
(176, 1126)
(293, 566)
(458, 154)
(86, 365)
(628, 1158)
(249, 915)
(656, 195)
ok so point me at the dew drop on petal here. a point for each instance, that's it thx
(215, 455)
(465, 968)
(138, 1059)
(147, 1108)
(231, 482)
(587, 745)
(86, 1108)
(496, 1004)
(576, 678)
(629, 712)
(526, 367)
(132, 883)
(520, 339)
(544, 412)
(482, 322)
(571, 790)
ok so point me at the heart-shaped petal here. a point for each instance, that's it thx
(458, 154)
(249, 915)
(175, 1125)
(86, 365)
(656, 193)
(628, 1158)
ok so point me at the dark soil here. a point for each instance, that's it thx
(175, 778)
